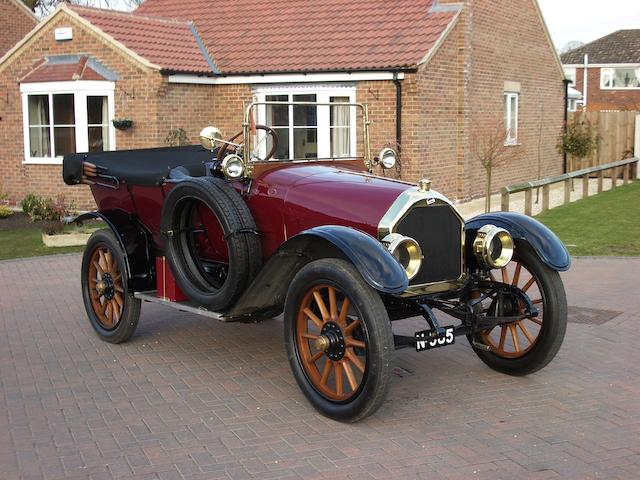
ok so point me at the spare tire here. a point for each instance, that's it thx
(211, 241)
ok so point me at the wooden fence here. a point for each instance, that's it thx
(628, 168)
(617, 134)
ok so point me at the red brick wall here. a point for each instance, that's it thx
(598, 100)
(136, 97)
(15, 23)
(509, 44)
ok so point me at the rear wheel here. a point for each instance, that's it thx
(111, 308)
(525, 346)
(339, 340)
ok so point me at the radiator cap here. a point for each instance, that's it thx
(424, 185)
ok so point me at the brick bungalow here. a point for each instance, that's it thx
(612, 81)
(431, 72)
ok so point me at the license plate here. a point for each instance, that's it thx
(424, 341)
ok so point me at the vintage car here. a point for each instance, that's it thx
(223, 229)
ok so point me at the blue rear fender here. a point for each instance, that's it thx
(522, 228)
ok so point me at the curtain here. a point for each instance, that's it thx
(637, 71)
(39, 142)
(340, 141)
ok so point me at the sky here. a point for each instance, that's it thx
(587, 20)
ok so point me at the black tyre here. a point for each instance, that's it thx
(111, 307)
(526, 346)
(338, 339)
(231, 238)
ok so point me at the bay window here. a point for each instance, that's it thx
(309, 131)
(66, 117)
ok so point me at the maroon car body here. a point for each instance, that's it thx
(341, 251)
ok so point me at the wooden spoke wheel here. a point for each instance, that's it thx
(514, 340)
(330, 342)
(112, 311)
(339, 340)
(526, 345)
(105, 287)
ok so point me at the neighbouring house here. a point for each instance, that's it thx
(607, 71)
(15, 22)
(430, 71)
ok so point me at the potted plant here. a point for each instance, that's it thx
(122, 123)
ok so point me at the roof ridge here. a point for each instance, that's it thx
(133, 14)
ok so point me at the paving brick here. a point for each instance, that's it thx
(175, 404)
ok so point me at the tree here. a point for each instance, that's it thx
(572, 45)
(579, 139)
(490, 148)
(42, 8)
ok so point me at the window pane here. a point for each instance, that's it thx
(514, 118)
(340, 114)
(38, 110)
(98, 139)
(340, 142)
(63, 113)
(506, 113)
(97, 111)
(626, 78)
(305, 143)
(282, 153)
(65, 140)
(277, 115)
(39, 142)
(305, 115)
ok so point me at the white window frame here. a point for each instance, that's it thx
(81, 89)
(609, 73)
(511, 139)
(323, 94)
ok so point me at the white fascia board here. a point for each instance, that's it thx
(285, 78)
(602, 65)
(68, 86)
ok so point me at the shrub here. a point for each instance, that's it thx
(39, 208)
(52, 227)
(30, 202)
(5, 211)
(177, 137)
(580, 140)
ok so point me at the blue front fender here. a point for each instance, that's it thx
(374, 262)
(546, 244)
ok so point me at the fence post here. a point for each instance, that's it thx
(637, 145)
(585, 186)
(545, 197)
(567, 191)
(600, 181)
(614, 177)
(625, 174)
(504, 202)
(528, 196)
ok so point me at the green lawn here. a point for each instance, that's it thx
(605, 224)
(27, 242)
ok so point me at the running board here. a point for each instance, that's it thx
(151, 296)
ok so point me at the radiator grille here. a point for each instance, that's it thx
(438, 230)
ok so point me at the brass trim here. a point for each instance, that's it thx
(408, 199)
(322, 343)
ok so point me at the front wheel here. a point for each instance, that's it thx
(526, 346)
(339, 341)
(111, 307)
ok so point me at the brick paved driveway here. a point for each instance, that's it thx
(196, 399)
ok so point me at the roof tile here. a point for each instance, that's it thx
(622, 46)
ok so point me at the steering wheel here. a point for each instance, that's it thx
(223, 149)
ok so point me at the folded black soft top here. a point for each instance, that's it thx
(145, 167)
